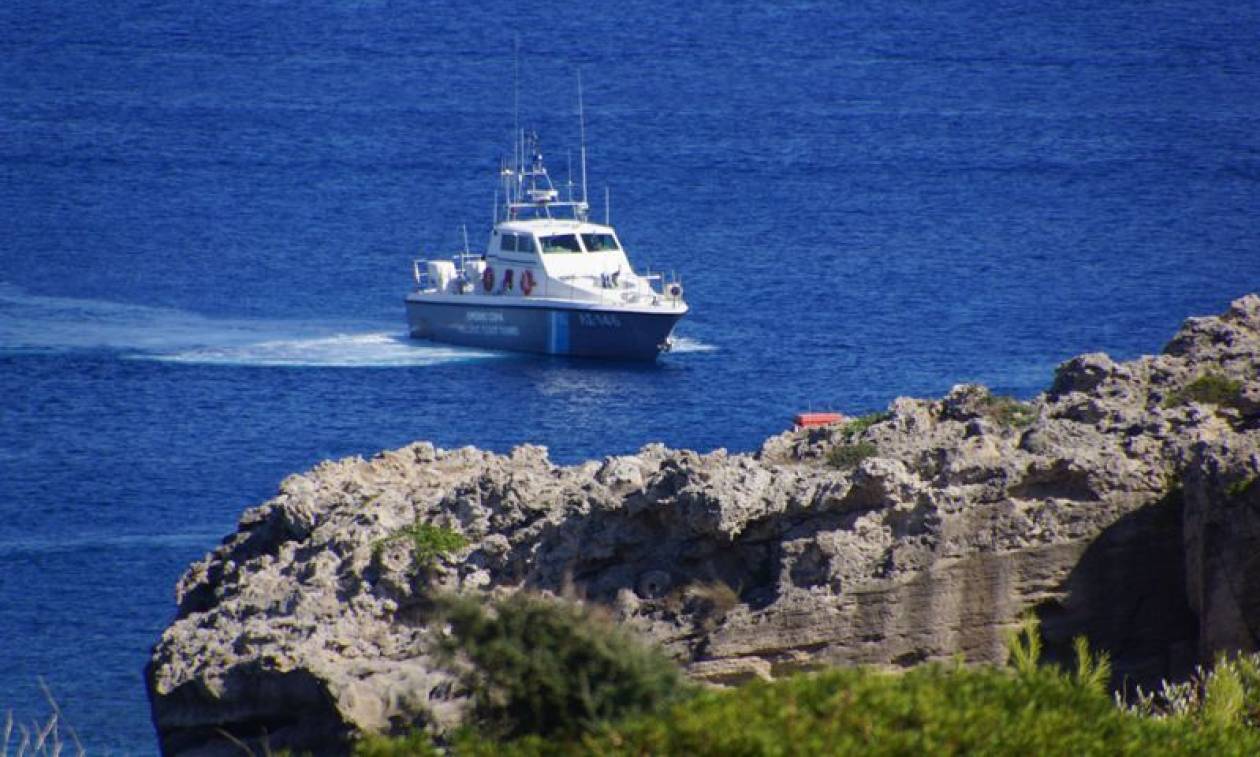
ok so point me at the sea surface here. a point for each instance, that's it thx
(208, 213)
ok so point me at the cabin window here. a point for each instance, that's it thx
(524, 243)
(508, 243)
(560, 243)
(599, 242)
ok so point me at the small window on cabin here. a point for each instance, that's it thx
(508, 244)
(560, 243)
(600, 242)
(524, 243)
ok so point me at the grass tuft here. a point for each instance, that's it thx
(39, 739)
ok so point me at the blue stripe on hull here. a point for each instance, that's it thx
(559, 342)
(554, 331)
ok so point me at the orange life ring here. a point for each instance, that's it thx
(487, 278)
(527, 282)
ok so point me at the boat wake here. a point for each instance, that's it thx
(373, 349)
(31, 324)
(683, 344)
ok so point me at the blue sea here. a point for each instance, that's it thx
(208, 213)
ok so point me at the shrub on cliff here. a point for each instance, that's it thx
(1007, 411)
(428, 542)
(543, 666)
(855, 427)
(1209, 388)
(847, 456)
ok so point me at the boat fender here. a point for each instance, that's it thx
(675, 290)
(487, 278)
(507, 279)
(527, 282)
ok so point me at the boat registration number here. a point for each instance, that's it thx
(599, 320)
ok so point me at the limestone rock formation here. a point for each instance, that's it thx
(1123, 503)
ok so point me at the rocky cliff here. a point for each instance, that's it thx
(1122, 503)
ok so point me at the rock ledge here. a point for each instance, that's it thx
(1111, 510)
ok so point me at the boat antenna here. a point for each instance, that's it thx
(518, 139)
(607, 207)
(496, 206)
(464, 226)
(568, 158)
(582, 128)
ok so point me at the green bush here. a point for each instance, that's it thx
(846, 456)
(1210, 388)
(543, 666)
(428, 542)
(856, 426)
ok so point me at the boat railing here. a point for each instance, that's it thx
(660, 286)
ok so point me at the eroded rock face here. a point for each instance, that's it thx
(1112, 512)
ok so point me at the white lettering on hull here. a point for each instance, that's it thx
(485, 323)
(599, 320)
(486, 329)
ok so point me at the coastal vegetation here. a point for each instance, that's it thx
(1209, 388)
(855, 427)
(1008, 412)
(847, 456)
(428, 542)
(40, 739)
(551, 668)
(558, 679)
(849, 453)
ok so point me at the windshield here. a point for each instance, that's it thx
(599, 242)
(516, 243)
(560, 243)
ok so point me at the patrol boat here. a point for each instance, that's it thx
(550, 281)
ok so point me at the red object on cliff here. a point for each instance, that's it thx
(813, 420)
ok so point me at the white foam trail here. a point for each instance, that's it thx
(348, 350)
(687, 344)
(30, 323)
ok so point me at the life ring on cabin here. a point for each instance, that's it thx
(507, 279)
(487, 278)
(527, 282)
